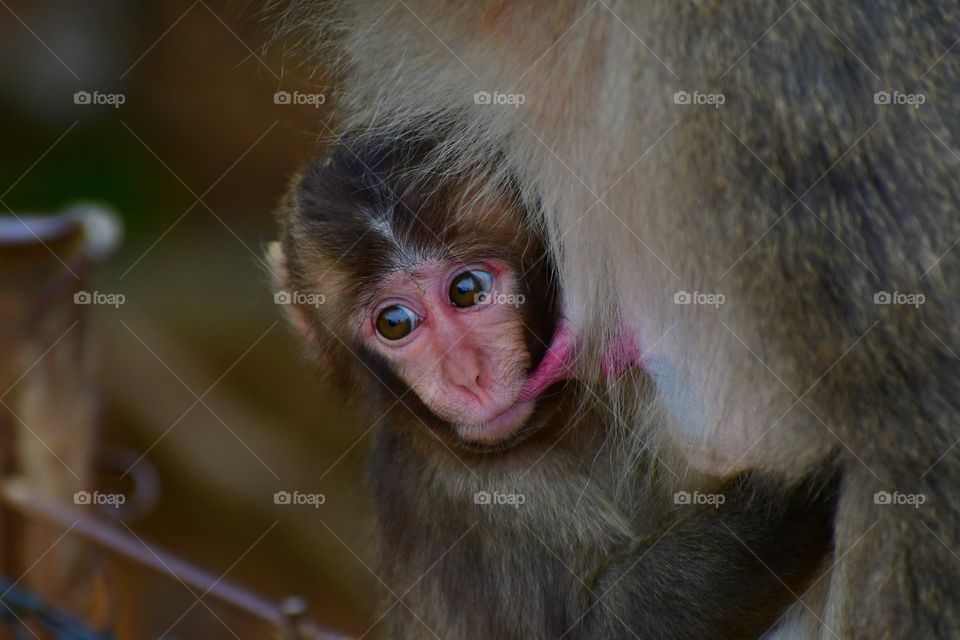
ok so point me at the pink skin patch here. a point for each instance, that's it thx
(623, 353)
(557, 363)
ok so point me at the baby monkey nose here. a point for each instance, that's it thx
(463, 368)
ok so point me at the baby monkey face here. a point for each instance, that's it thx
(442, 279)
(454, 333)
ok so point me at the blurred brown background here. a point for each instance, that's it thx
(198, 120)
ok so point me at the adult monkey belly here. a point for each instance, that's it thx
(763, 198)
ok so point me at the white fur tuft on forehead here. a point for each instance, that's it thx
(382, 225)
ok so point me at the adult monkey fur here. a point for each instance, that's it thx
(816, 185)
(584, 556)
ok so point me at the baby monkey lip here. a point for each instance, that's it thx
(620, 355)
(556, 365)
(501, 426)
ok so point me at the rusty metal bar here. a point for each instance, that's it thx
(288, 617)
(48, 378)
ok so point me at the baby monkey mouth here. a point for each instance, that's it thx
(501, 428)
(557, 365)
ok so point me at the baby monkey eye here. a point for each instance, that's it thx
(470, 288)
(396, 322)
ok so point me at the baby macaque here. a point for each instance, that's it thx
(504, 511)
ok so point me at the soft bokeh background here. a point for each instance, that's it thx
(194, 162)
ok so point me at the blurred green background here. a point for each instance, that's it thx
(194, 161)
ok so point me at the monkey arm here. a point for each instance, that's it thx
(727, 572)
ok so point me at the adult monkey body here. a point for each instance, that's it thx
(437, 301)
(798, 199)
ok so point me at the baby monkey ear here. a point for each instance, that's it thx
(282, 293)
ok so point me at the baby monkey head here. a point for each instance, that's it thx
(429, 282)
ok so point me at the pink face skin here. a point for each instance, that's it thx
(469, 364)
